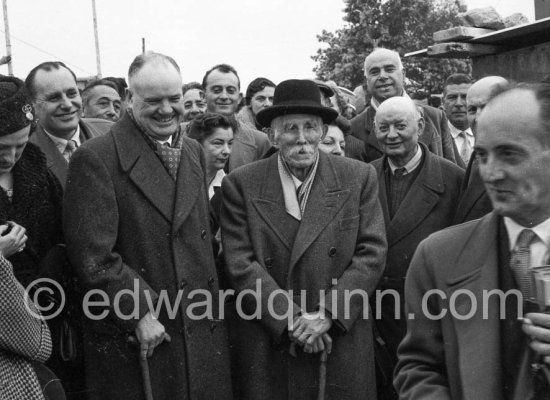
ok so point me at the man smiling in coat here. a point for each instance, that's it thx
(136, 221)
(305, 229)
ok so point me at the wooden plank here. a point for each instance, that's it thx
(459, 33)
(418, 53)
(457, 50)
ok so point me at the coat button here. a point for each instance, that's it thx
(203, 234)
(183, 284)
(268, 262)
(332, 252)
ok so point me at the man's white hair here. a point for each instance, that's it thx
(383, 51)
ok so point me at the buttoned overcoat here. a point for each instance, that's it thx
(338, 247)
(128, 224)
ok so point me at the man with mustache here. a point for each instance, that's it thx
(467, 337)
(222, 90)
(386, 78)
(57, 103)
(307, 228)
(137, 219)
(454, 104)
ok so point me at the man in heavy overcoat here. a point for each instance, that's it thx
(303, 230)
(136, 223)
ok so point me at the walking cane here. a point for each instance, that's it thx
(144, 366)
(322, 376)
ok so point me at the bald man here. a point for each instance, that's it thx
(474, 202)
(386, 79)
(418, 192)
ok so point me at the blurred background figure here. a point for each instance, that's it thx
(121, 86)
(420, 97)
(259, 95)
(100, 99)
(194, 103)
(334, 142)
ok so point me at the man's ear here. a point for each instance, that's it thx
(421, 125)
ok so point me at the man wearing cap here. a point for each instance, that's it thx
(57, 104)
(385, 78)
(305, 230)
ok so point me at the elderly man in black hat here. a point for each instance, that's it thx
(304, 239)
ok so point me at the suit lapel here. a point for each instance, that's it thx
(270, 204)
(369, 128)
(325, 200)
(478, 337)
(189, 182)
(55, 160)
(381, 166)
(420, 199)
(144, 168)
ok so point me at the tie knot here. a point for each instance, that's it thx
(71, 146)
(526, 237)
(462, 134)
(399, 172)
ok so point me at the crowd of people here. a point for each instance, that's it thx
(277, 246)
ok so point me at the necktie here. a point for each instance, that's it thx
(69, 149)
(466, 149)
(399, 172)
(520, 262)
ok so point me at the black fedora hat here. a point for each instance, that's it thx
(296, 96)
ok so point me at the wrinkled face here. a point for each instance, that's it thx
(193, 104)
(57, 102)
(155, 99)
(298, 137)
(262, 99)
(222, 93)
(217, 148)
(11, 148)
(333, 142)
(454, 105)
(397, 132)
(384, 76)
(513, 160)
(103, 102)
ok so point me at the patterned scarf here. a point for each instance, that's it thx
(296, 197)
(169, 156)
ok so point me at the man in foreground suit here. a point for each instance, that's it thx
(385, 78)
(136, 221)
(474, 202)
(57, 104)
(419, 193)
(307, 228)
(465, 340)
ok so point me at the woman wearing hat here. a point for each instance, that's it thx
(30, 196)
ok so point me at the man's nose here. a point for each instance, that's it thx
(460, 101)
(66, 102)
(491, 170)
(165, 107)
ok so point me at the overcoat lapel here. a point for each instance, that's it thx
(419, 201)
(144, 168)
(189, 182)
(325, 200)
(54, 159)
(478, 337)
(270, 203)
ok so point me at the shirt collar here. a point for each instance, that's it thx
(455, 131)
(61, 143)
(514, 229)
(411, 165)
(162, 142)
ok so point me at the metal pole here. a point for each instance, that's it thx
(143, 45)
(98, 57)
(7, 32)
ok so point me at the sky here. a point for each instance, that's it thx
(270, 38)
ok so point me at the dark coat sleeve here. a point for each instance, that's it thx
(90, 224)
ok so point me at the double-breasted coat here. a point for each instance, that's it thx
(338, 246)
(127, 225)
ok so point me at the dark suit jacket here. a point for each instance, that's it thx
(249, 145)
(129, 226)
(454, 358)
(339, 245)
(474, 201)
(429, 206)
(436, 133)
(89, 128)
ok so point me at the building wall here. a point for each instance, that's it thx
(523, 65)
